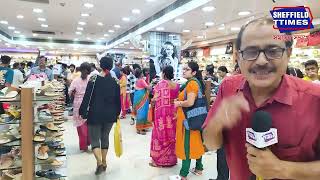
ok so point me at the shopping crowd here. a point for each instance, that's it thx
(261, 80)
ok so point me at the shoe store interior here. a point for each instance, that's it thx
(125, 89)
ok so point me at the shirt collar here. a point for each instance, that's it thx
(282, 95)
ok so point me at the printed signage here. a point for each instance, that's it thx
(289, 19)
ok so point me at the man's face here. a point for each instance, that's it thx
(263, 71)
(42, 62)
(312, 71)
(72, 69)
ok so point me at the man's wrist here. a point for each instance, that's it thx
(285, 170)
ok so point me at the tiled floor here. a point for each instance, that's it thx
(133, 164)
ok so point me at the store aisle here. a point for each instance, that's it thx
(133, 164)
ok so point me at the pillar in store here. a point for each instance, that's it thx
(164, 49)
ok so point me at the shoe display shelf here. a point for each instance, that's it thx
(31, 147)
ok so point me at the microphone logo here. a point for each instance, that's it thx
(268, 137)
(251, 136)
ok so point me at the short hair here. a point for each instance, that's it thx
(43, 57)
(85, 66)
(93, 65)
(261, 21)
(136, 66)
(5, 59)
(106, 63)
(168, 72)
(72, 65)
(210, 69)
(126, 70)
(15, 65)
(311, 63)
(137, 73)
(29, 64)
(223, 69)
(22, 64)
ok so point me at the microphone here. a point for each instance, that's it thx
(261, 135)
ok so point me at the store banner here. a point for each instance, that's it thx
(206, 52)
(164, 49)
(314, 39)
(302, 42)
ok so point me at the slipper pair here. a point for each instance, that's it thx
(49, 174)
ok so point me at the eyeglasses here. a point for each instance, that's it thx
(186, 69)
(271, 53)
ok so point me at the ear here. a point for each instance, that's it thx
(194, 73)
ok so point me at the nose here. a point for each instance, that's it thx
(262, 59)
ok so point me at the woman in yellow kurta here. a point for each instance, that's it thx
(189, 142)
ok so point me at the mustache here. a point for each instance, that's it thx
(266, 67)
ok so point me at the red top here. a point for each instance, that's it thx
(295, 111)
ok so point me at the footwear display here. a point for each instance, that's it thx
(38, 138)
(52, 127)
(56, 163)
(43, 152)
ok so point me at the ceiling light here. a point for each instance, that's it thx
(11, 28)
(88, 5)
(117, 26)
(111, 31)
(105, 35)
(41, 19)
(208, 8)
(179, 20)
(235, 29)
(20, 16)
(34, 35)
(17, 32)
(44, 25)
(150, 0)
(4, 22)
(160, 28)
(7, 44)
(221, 28)
(85, 15)
(126, 42)
(100, 24)
(76, 39)
(126, 19)
(131, 47)
(49, 37)
(209, 23)
(244, 13)
(121, 45)
(78, 33)
(37, 10)
(102, 39)
(136, 11)
(200, 37)
(82, 23)
(172, 35)
(116, 47)
(186, 30)
(79, 28)
(88, 38)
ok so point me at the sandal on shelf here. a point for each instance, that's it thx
(196, 172)
(6, 161)
(43, 152)
(14, 173)
(56, 163)
(38, 138)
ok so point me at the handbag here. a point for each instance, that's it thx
(85, 116)
(196, 114)
(118, 139)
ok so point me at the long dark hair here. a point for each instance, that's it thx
(195, 68)
(85, 69)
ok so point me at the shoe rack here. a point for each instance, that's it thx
(28, 165)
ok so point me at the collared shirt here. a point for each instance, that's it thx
(295, 111)
(6, 76)
(17, 78)
(47, 71)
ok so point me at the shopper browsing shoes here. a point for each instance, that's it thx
(104, 109)
(76, 91)
(189, 142)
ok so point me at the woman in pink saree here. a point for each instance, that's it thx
(164, 129)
